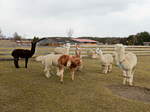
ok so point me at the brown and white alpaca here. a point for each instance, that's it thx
(60, 61)
(75, 63)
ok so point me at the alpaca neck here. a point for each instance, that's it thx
(101, 56)
(33, 48)
(121, 56)
(67, 50)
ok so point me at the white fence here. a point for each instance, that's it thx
(5, 53)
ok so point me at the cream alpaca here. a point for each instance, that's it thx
(127, 62)
(106, 61)
(60, 61)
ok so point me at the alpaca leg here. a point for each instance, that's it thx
(129, 77)
(110, 68)
(46, 70)
(26, 62)
(105, 69)
(131, 80)
(58, 72)
(16, 62)
(47, 74)
(124, 77)
(62, 75)
(72, 73)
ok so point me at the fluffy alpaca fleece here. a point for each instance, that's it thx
(106, 61)
(127, 62)
(62, 50)
(60, 61)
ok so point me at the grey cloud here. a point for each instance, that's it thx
(49, 8)
(86, 17)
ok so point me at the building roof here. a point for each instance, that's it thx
(84, 40)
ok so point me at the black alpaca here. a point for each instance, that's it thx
(24, 53)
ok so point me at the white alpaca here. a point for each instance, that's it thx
(62, 50)
(106, 61)
(127, 62)
(50, 60)
(60, 61)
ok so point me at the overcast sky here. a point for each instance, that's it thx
(86, 17)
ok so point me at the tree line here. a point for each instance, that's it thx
(137, 39)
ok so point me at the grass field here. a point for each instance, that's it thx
(27, 90)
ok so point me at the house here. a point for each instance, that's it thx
(54, 41)
(60, 41)
(84, 41)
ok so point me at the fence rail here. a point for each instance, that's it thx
(5, 52)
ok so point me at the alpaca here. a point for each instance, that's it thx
(78, 51)
(115, 56)
(60, 61)
(62, 50)
(78, 54)
(75, 63)
(106, 61)
(127, 62)
(24, 53)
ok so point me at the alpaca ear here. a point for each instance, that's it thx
(38, 40)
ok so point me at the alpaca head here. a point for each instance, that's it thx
(39, 58)
(75, 61)
(99, 51)
(115, 56)
(119, 48)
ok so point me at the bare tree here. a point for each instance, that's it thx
(1, 34)
(70, 32)
(16, 36)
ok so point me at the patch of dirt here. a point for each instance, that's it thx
(134, 92)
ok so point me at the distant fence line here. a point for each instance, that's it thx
(5, 52)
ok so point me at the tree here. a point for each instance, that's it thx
(1, 34)
(70, 33)
(138, 39)
(16, 36)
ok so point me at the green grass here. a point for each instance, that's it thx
(27, 90)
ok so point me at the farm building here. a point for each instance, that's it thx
(55, 41)
(85, 41)
(59, 41)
